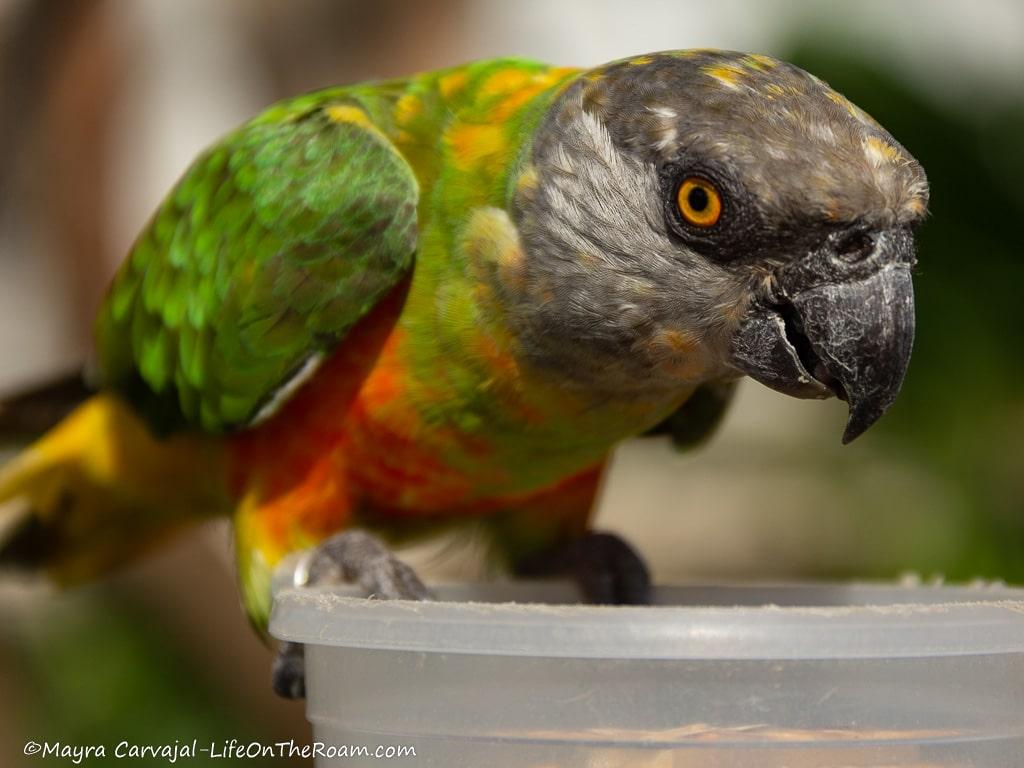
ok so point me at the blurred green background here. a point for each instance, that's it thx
(103, 103)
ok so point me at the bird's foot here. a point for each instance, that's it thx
(353, 557)
(361, 558)
(607, 569)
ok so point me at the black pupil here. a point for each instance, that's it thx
(698, 199)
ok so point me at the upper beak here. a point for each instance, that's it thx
(839, 322)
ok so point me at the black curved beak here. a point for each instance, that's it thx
(838, 322)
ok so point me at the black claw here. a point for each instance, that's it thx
(607, 569)
(288, 675)
(610, 571)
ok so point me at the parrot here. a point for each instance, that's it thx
(381, 310)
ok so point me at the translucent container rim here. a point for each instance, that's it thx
(694, 622)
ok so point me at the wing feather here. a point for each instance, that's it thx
(274, 243)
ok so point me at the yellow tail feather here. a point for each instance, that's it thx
(98, 489)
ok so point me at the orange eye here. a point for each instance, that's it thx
(699, 202)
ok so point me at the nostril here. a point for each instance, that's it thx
(855, 246)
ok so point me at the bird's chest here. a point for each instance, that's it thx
(466, 430)
(402, 426)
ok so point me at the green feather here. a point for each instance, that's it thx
(286, 232)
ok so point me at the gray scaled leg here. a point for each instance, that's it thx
(354, 557)
(607, 569)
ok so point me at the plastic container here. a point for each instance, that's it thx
(716, 677)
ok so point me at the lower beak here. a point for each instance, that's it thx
(836, 326)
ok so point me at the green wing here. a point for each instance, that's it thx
(274, 243)
(699, 417)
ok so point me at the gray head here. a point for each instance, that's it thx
(698, 215)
